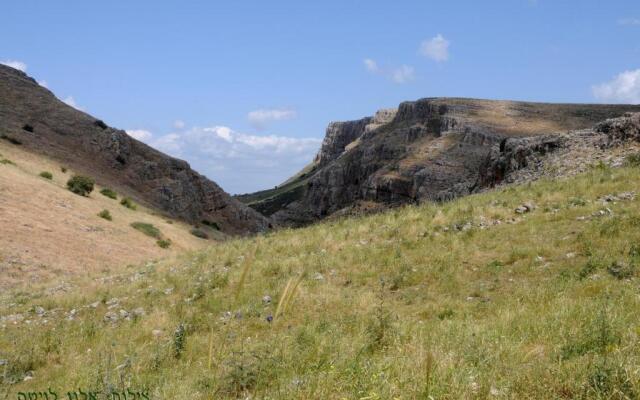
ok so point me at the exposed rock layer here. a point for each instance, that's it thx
(33, 116)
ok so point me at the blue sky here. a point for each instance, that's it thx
(243, 90)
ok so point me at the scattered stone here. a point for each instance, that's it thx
(525, 208)
(269, 318)
(40, 311)
(111, 316)
(124, 314)
(266, 299)
(156, 333)
(238, 315)
(168, 291)
(570, 255)
(139, 312)
(94, 304)
(318, 276)
(3, 362)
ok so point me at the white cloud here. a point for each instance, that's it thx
(179, 124)
(239, 162)
(402, 74)
(371, 65)
(629, 21)
(15, 64)
(624, 88)
(140, 134)
(70, 101)
(436, 48)
(260, 118)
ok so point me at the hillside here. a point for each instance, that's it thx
(34, 117)
(527, 291)
(432, 149)
(48, 233)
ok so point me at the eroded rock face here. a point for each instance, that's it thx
(518, 160)
(85, 144)
(437, 149)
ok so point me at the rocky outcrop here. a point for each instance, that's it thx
(436, 149)
(518, 160)
(33, 116)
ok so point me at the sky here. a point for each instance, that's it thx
(243, 90)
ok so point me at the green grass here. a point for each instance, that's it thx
(397, 305)
(147, 229)
(6, 161)
(112, 194)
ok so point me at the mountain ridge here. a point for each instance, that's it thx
(431, 149)
(32, 115)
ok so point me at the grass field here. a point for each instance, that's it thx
(466, 299)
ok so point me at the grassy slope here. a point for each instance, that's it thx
(269, 201)
(518, 310)
(46, 230)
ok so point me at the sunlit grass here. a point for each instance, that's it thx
(461, 300)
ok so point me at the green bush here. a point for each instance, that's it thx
(7, 162)
(199, 233)
(164, 243)
(127, 202)
(46, 175)
(63, 170)
(105, 214)
(211, 224)
(109, 193)
(82, 185)
(147, 229)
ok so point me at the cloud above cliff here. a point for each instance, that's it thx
(623, 88)
(239, 162)
(400, 75)
(19, 65)
(436, 48)
(260, 119)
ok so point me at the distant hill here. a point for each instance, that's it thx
(32, 116)
(432, 149)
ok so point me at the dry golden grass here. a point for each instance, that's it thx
(48, 232)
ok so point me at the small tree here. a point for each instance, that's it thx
(82, 185)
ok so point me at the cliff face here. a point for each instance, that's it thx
(33, 116)
(432, 149)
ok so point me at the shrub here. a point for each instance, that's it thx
(63, 170)
(6, 161)
(105, 214)
(632, 160)
(82, 185)
(127, 202)
(100, 124)
(199, 233)
(620, 270)
(147, 229)
(210, 224)
(179, 337)
(46, 175)
(28, 128)
(164, 243)
(109, 193)
(11, 140)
